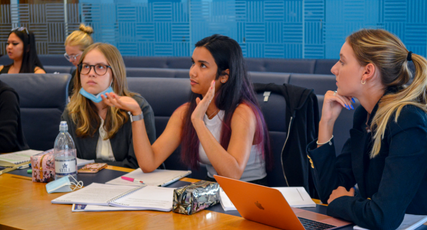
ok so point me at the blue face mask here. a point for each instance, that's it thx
(95, 98)
(63, 185)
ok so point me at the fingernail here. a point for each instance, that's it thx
(353, 100)
(347, 107)
(351, 106)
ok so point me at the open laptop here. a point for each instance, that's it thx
(268, 206)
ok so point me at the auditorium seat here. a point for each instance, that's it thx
(42, 99)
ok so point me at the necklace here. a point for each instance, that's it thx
(212, 114)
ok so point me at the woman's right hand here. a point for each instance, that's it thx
(332, 105)
(122, 102)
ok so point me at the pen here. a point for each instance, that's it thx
(132, 180)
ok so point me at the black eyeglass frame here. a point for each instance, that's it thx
(80, 66)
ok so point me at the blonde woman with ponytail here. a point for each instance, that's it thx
(75, 44)
(386, 154)
(103, 132)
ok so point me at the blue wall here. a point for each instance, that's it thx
(264, 29)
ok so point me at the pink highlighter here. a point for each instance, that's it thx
(132, 180)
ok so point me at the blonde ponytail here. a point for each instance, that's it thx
(390, 56)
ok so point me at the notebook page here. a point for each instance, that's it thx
(18, 157)
(159, 177)
(99, 208)
(95, 193)
(297, 197)
(150, 198)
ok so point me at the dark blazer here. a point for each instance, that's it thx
(121, 143)
(391, 184)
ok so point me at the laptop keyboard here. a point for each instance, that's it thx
(313, 225)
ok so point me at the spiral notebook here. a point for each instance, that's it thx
(159, 177)
(17, 158)
(140, 198)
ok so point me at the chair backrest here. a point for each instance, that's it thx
(267, 77)
(157, 72)
(58, 69)
(43, 98)
(280, 65)
(319, 82)
(164, 95)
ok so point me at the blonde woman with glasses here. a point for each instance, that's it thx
(21, 48)
(102, 132)
(386, 154)
(75, 44)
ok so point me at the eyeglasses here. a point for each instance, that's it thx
(99, 69)
(21, 29)
(71, 57)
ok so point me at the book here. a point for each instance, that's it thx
(17, 158)
(159, 177)
(297, 197)
(98, 208)
(410, 222)
(139, 198)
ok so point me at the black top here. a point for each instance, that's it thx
(11, 135)
(5, 69)
(121, 142)
(71, 83)
(389, 185)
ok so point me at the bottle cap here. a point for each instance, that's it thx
(63, 126)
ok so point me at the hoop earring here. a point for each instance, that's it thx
(363, 82)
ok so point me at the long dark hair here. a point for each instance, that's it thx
(30, 60)
(237, 90)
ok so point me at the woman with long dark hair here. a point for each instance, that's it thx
(21, 48)
(221, 126)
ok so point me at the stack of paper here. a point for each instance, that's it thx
(297, 197)
(16, 160)
(128, 197)
(159, 177)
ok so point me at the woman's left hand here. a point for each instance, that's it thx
(339, 192)
(202, 105)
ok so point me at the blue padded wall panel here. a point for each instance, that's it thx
(263, 28)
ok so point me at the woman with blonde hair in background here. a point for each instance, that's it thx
(75, 44)
(102, 132)
(386, 154)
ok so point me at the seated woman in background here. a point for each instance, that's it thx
(221, 126)
(21, 48)
(99, 131)
(11, 135)
(75, 44)
(386, 155)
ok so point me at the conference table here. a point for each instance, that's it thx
(27, 205)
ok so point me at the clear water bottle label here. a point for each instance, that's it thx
(64, 167)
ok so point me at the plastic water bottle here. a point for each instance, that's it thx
(65, 153)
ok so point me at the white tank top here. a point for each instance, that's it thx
(255, 168)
